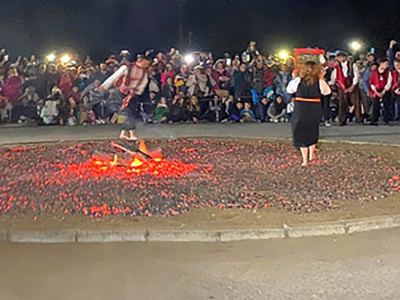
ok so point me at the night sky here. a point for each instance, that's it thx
(101, 26)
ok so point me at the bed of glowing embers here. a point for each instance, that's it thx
(76, 179)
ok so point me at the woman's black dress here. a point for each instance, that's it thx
(307, 115)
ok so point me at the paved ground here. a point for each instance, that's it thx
(381, 134)
(362, 266)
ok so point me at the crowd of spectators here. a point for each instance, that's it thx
(198, 88)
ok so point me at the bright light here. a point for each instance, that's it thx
(189, 59)
(283, 54)
(355, 46)
(51, 57)
(65, 59)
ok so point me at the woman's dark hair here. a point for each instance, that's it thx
(311, 72)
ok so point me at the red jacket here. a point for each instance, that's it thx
(378, 80)
(268, 78)
(395, 82)
(340, 78)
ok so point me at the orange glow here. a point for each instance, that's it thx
(136, 163)
(113, 163)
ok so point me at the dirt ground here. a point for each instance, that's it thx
(216, 218)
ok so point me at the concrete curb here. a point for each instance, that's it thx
(111, 236)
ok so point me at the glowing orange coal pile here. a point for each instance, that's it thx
(158, 167)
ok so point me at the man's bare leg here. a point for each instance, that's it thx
(132, 136)
(128, 135)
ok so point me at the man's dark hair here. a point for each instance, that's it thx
(342, 53)
(383, 60)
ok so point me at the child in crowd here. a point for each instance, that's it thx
(49, 113)
(161, 112)
(246, 114)
(277, 110)
(235, 112)
(261, 109)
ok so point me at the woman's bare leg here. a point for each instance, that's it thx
(304, 154)
(312, 152)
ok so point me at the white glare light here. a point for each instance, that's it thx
(51, 57)
(189, 59)
(355, 46)
(65, 59)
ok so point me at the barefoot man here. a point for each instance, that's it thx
(131, 79)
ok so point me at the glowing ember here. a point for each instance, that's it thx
(96, 179)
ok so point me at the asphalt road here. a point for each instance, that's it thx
(362, 266)
(381, 134)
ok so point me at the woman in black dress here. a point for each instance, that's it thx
(308, 90)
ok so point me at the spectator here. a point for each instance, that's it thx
(235, 112)
(396, 89)
(213, 112)
(181, 80)
(86, 114)
(148, 107)
(72, 112)
(31, 95)
(161, 112)
(12, 85)
(269, 77)
(103, 73)
(23, 111)
(96, 100)
(178, 111)
(258, 72)
(346, 77)
(226, 108)
(251, 52)
(168, 90)
(246, 114)
(66, 82)
(169, 73)
(76, 94)
(49, 113)
(277, 110)
(52, 78)
(261, 109)
(82, 81)
(222, 79)
(113, 103)
(366, 89)
(197, 84)
(241, 82)
(282, 79)
(381, 85)
(193, 109)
